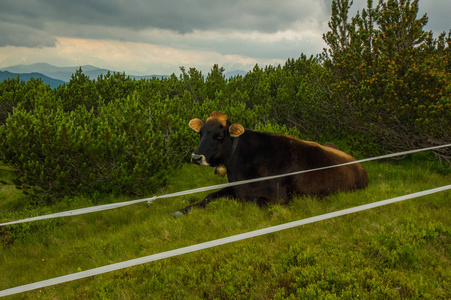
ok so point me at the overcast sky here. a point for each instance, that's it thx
(144, 37)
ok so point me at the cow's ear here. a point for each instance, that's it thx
(236, 130)
(196, 124)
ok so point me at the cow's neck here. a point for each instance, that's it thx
(221, 170)
(232, 152)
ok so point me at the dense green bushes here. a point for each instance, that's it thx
(29, 94)
(390, 78)
(118, 149)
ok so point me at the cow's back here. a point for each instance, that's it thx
(263, 154)
(331, 180)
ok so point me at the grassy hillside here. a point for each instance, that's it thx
(397, 251)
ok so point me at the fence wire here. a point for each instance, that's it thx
(211, 244)
(204, 189)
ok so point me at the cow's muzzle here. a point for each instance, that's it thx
(199, 160)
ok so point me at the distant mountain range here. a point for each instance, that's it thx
(27, 76)
(60, 73)
(54, 76)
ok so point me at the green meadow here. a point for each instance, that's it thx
(392, 252)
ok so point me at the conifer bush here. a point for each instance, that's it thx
(14, 91)
(129, 146)
(390, 78)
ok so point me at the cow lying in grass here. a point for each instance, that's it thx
(246, 154)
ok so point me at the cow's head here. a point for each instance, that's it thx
(216, 135)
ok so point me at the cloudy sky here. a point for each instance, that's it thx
(144, 37)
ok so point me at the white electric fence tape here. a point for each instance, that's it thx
(203, 189)
(210, 244)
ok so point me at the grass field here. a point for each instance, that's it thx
(398, 251)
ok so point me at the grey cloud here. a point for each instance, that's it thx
(33, 22)
(24, 36)
(223, 42)
(124, 20)
(438, 12)
(179, 16)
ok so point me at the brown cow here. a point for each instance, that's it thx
(246, 154)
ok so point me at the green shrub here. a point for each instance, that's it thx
(391, 78)
(14, 91)
(128, 147)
